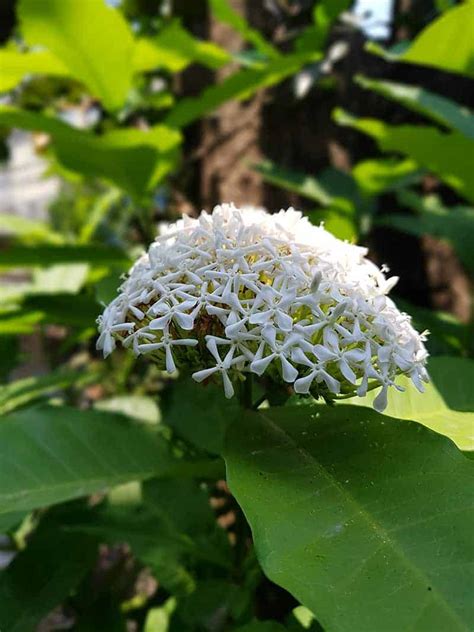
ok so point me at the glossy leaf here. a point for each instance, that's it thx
(52, 454)
(430, 148)
(42, 576)
(434, 106)
(90, 38)
(365, 519)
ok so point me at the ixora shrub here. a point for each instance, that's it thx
(243, 292)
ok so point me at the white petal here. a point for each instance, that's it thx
(200, 376)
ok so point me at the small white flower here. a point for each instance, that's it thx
(241, 291)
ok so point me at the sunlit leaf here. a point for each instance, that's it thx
(365, 519)
(446, 43)
(90, 38)
(430, 148)
(378, 175)
(15, 66)
(434, 106)
(133, 159)
(446, 406)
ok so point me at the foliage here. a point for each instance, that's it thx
(131, 498)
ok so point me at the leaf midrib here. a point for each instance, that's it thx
(377, 528)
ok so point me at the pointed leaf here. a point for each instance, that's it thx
(365, 519)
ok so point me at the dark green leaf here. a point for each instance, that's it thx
(25, 256)
(455, 224)
(42, 576)
(365, 519)
(200, 414)
(133, 159)
(51, 454)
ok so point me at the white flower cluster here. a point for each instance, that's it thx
(244, 291)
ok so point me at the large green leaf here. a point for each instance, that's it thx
(133, 159)
(449, 414)
(16, 65)
(90, 38)
(446, 43)
(434, 106)
(51, 454)
(365, 519)
(42, 576)
(225, 13)
(200, 414)
(437, 151)
(240, 85)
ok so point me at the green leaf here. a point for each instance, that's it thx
(240, 85)
(453, 378)
(434, 106)
(222, 11)
(30, 230)
(261, 626)
(52, 454)
(26, 256)
(200, 414)
(305, 185)
(446, 43)
(456, 224)
(27, 390)
(42, 576)
(133, 159)
(431, 408)
(379, 175)
(448, 334)
(16, 66)
(173, 49)
(19, 322)
(437, 151)
(90, 38)
(365, 519)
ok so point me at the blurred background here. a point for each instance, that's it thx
(116, 116)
